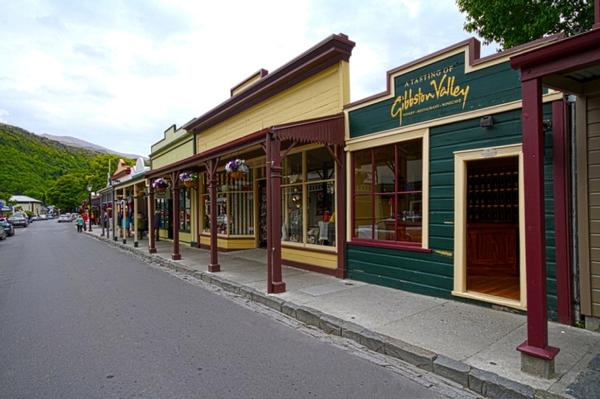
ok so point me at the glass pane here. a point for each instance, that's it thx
(363, 217)
(410, 165)
(222, 185)
(206, 214)
(291, 214)
(222, 220)
(409, 218)
(319, 164)
(385, 221)
(384, 169)
(292, 169)
(242, 213)
(321, 214)
(185, 203)
(363, 175)
(165, 214)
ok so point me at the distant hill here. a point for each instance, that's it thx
(75, 142)
(32, 165)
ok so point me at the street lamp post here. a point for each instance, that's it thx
(89, 188)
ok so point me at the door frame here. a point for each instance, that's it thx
(460, 224)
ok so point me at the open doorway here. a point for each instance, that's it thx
(492, 231)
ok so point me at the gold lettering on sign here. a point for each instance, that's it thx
(442, 88)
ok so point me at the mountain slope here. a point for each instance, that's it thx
(75, 142)
(31, 165)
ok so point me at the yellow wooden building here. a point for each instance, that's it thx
(263, 169)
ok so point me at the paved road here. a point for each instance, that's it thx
(80, 319)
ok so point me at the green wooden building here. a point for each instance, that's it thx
(435, 180)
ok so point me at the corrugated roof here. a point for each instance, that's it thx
(22, 198)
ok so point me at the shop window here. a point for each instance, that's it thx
(292, 212)
(292, 169)
(319, 165)
(387, 193)
(185, 210)
(235, 205)
(308, 204)
(162, 205)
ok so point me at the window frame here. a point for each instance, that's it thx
(422, 245)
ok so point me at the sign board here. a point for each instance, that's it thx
(434, 89)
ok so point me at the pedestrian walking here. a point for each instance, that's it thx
(105, 219)
(79, 222)
(85, 218)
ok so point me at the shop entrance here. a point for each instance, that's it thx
(493, 227)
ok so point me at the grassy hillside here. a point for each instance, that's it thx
(46, 169)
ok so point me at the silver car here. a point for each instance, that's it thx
(19, 219)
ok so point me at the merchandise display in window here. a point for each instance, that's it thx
(308, 200)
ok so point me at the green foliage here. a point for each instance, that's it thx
(514, 22)
(48, 170)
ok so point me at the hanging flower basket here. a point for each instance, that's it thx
(160, 185)
(237, 168)
(188, 179)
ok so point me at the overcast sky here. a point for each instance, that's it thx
(119, 72)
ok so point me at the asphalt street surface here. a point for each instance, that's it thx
(81, 319)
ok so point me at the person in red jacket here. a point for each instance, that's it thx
(85, 218)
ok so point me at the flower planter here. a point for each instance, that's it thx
(189, 184)
(236, 174)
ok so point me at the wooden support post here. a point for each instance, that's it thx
(536, 356)
(151, 221)
(114, 215)
(211, 169)
(135, 216)
(176, 255)
(277, 284)
(340, 210)
(269, 223)
(562, 236)
(124, 216)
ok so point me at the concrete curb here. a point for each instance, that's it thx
(482, 382)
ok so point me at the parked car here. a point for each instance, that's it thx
(19, 219)
(7, 227)
(66, 217)
(43, 216)
(2, 234)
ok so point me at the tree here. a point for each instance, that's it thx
(514, 22)
(68, 191)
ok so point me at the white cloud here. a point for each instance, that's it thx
(118, 73)
(3, 116)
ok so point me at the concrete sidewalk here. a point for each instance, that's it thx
(470, 344)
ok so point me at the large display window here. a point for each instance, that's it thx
(308, 198)
(235, 205)
(387, 193)
(185, 209)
